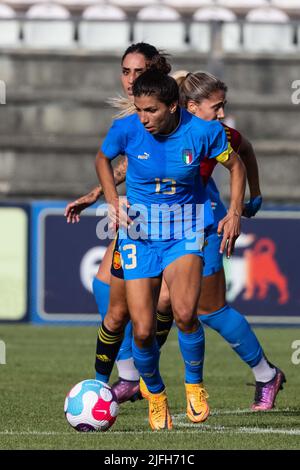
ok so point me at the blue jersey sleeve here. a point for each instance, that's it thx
(115, 141)
(218, 146)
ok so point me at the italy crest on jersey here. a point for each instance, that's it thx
(187, 156)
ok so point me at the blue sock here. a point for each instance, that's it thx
(192, 347)
(147, 362)
(101, 292)
(102, 377)
(235, 329)
(125, 351)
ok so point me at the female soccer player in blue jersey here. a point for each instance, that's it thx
(135, 60)
(208, 95)
(164, 145)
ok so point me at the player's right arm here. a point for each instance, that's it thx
(248, 156)
(74, 208)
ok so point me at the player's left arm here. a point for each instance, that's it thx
(248, 156)
(230, 225)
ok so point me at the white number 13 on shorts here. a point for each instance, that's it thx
(131, 256)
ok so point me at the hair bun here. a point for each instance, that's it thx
(159, 62)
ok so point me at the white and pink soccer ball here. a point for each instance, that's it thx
(91, 406)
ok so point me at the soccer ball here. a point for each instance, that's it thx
(91, 406)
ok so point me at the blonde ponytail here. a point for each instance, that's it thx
(124, 106)
(180, 76)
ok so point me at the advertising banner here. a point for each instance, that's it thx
(14, 256)
(263, 275)
(65, 258)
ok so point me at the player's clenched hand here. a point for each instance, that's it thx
(117, 212)
(74, 209)
(252, 206)
(230, 229)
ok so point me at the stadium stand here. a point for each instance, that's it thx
(59, 32)
(79, 5)
(161, 26)
(188, 6)
(9, 27)
(103, 27)
(134, 3)
(82, 3)
(131, 7)
(242, 4)
(200, 32)
(24, 3)
(189, 3)
(56, 110)
(268, 30)
(288, 5)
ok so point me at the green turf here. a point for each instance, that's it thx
(44, 362)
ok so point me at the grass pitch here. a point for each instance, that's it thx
(44, 362)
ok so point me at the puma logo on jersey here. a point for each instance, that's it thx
(145, 156)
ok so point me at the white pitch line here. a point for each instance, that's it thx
(186, 428)
(32, 433)
(123, 433)
(241, 430)
(239, 411)
(56, 433)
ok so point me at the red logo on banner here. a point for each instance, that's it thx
(262, 271)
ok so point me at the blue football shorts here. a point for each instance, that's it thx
(213, 259)
(148, 258)
(152, 262)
